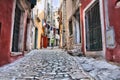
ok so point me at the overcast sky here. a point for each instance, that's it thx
(55, 3)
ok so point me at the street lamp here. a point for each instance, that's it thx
(117, 4)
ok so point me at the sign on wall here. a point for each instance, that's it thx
(110, 38)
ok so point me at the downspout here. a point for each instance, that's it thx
(106, 15)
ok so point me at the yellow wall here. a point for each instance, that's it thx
(61, 36)
(40, 28)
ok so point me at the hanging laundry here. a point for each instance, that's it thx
(51, 28)
(47, 26)
(54, 30)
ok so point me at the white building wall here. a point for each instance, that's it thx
(29, 36)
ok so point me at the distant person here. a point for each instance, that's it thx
(52, 42)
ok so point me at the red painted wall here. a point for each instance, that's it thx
(45, 41)
(25, 31)
(6, 20)
(84, 3)
(114, 18)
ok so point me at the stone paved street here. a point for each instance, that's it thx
(44, 64)
(99, 69)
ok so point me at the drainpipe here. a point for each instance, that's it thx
(106, 15)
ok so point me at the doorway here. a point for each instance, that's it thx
(93, 28)
(16, 30)
(76, 24)
(36, 38)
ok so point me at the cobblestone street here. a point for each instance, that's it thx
(44, 65)
(60, 40)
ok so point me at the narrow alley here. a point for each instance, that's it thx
(47, 64)
(60, 40)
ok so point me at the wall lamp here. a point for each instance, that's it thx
(117, 4)
(38, 19)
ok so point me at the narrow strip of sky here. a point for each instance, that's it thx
(55, 4)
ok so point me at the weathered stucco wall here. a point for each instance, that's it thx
(114, 20)
(5, 35)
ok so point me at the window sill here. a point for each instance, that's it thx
(16, 53)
